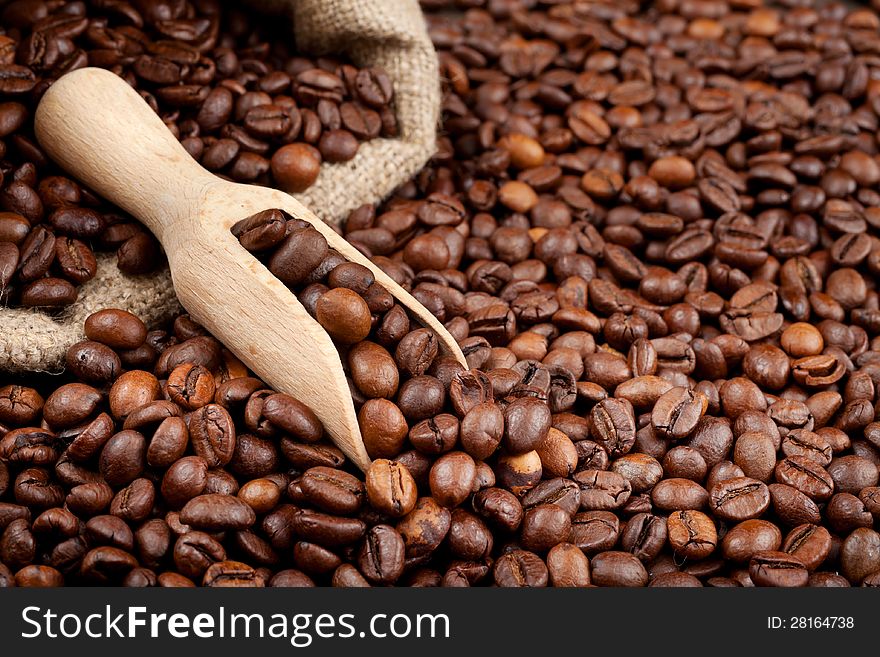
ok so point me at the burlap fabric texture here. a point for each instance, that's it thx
(390, 34)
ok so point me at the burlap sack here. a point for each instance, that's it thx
(390, 34)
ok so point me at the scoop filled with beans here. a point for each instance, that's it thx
(227, 83)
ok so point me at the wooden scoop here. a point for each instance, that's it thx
(102, 132)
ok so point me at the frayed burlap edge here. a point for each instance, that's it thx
(33, 341)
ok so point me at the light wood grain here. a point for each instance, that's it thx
(100, 130)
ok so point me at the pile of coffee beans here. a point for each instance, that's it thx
(652, 227)
(224, 81)
(152, 465)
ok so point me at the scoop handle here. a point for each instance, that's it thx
(100, 130)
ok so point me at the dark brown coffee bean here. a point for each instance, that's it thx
(212, 432)
(195, 551)
(806, 476)
(750, 537)
(691, 534)
(617, 569)
(520, 569)
(499, 508)
(217, 513)
(602, 490)
(811, 544)
(382, 556)
(332, 490)
(777, 569)
(739, 498)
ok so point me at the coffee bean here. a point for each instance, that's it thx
(677, 412)
(692, 534)
(212, 432)
(332, 490)
(777, 569)
(673, 494)
(194, 552)
(617, 569)
(567, 566)
(675, 311)
(520, 568)
(499, 508)
(381, 557)
(750, 537)
(806, 476)
(425, 527)
(739, 498)
(860, 554)
(391, 488)
(602, 490)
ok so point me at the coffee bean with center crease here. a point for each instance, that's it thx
(390, 488)
(739, 498)
(217, 513)
(195, 551)
(232, 574)
(614, 425)
(520, 568)
(602, 490)
(332, 490)
(212, 432)
(382, 556)
(677, 412)
(777, 569)
(811, 544)
(806, 476)
(644, 536)
(692, 534)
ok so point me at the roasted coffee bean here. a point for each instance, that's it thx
(614, 425)
(602, 490)
(217, 513)
(777, 569)
(425, 527)
(327, 530)
(792, 506)
(382, 556)
(594, 531)
(806, 476)
(739, 498)
(644, 536)
(811, 544)
(674, 494)
(452, 478)
(568, 566)
(691, 534)
(520, 568)
(212, 433)
(500, 508)
(617, 569)
(332, 490)
(860, 554)
(526, 423)
(677, 412)
(194, 552)
(390, 488)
